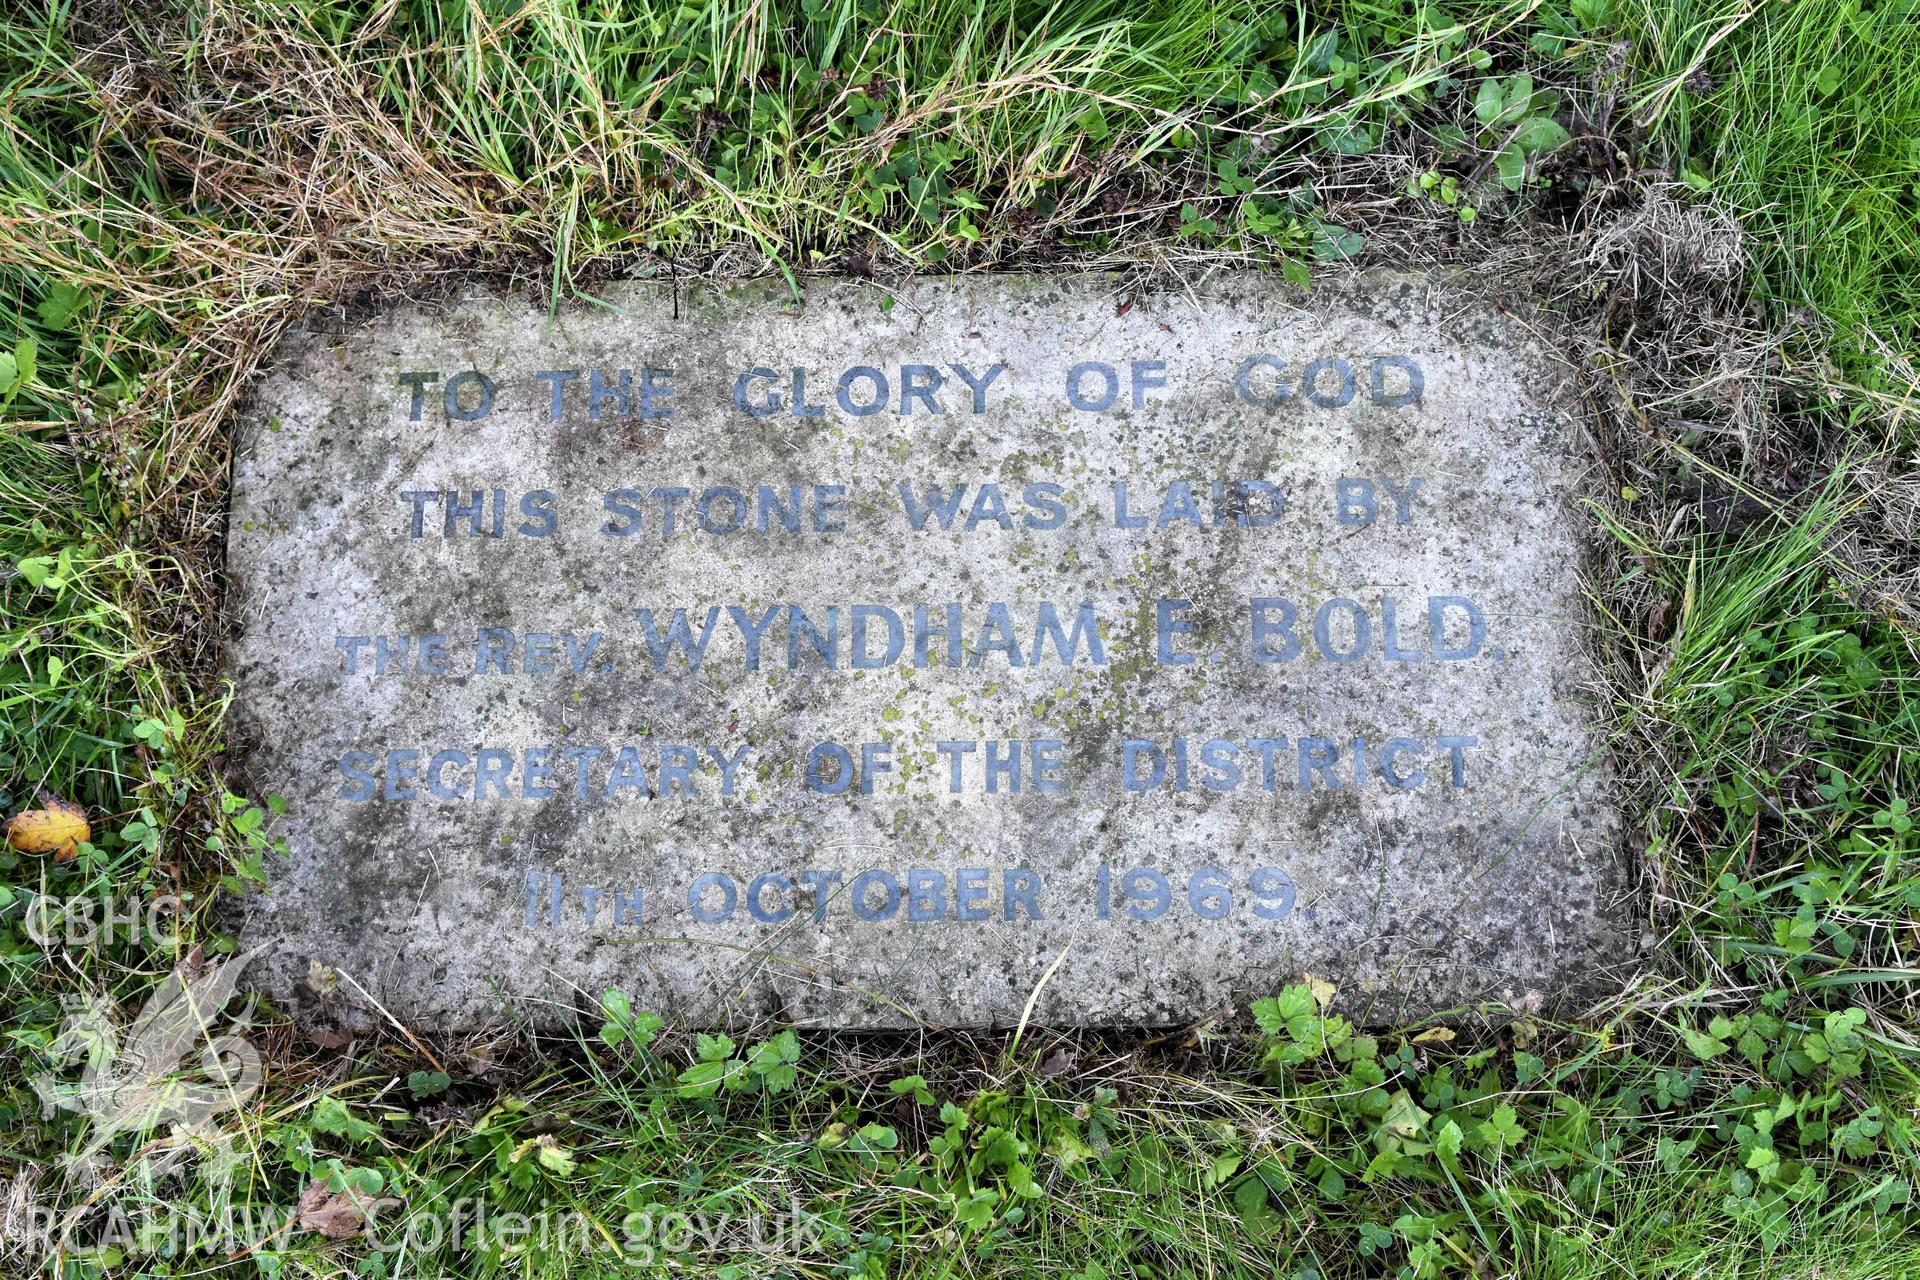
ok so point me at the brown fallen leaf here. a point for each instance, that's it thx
(330, 1038)
(337, 1215)
(56, 827)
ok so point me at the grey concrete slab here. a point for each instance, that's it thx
(866, 662)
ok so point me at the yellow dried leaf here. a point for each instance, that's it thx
(1322, 991)
(57, 827)
(1435, 1035)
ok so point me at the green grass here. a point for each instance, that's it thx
(176, 190)
(1802, 117)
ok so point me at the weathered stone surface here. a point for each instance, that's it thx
(1475, 857)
